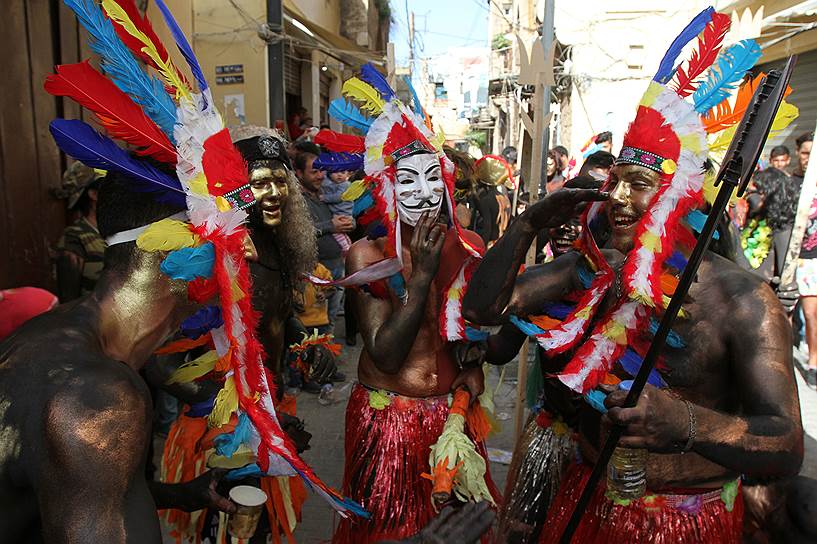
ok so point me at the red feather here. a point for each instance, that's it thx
(144, 26)
(122, 118)
(223, 165)
(709, 44)
(340, 143)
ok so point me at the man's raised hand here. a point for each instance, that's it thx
(426, 245)
(561, 206)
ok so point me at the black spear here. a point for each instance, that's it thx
(736, 169)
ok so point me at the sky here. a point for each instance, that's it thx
(438, 25)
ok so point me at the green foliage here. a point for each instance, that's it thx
(500, 41)
(383, 9)
(477, 137)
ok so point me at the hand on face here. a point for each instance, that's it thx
(426, 245)
(658, 423)
(419, 187)
(561, 206)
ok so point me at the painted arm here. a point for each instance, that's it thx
(388, 332)
(91, 483)
(497, 290)
(766, 439)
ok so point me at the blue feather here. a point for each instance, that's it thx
(349, 115)
(119, 65)
(398, 284)
(674, 340)
(631, 363)
(668, 67)
(696, 220)
(370, 75)
(418, 107)
(249, 471)
(189, 263)
(476, 335)
(362, 204)
(677, 261)
(226, 444)
(183, 45)
(525, 326)
(586, 276)
(202, 321)
(376, 230)
(557, 310)
(723, 78)
(596, 398)
(82, 142)
(339, 162)
(201, 409)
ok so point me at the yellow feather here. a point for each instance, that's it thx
(354, 191)
(167, 235)
(364, 93)
(226, 403)
(166, 69)
(242, 457)
(196, 368)
(784, 117)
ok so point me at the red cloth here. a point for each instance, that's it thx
(19, 305)
(603, 522)
(386, 451)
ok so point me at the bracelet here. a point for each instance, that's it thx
(692, 427)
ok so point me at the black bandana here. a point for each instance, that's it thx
(259, 148)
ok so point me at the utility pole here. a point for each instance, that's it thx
(275, 65)
(411, 42)
(547, 44)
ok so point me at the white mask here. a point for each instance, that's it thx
(420, 187)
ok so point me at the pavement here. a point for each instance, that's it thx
(326, 423)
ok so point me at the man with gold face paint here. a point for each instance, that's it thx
(281, 230)
(722, 403)
(281, 251)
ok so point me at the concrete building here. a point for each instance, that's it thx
(455, 89)
(325, 41)
(508, 18)
(613, 49)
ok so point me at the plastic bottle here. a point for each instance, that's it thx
(627, 474)
(327, 394)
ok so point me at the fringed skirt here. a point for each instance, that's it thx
(544, 451)
(388, 438)
(690, 517)
(185, 458)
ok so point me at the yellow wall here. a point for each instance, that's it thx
(223, 36)
(220, 35)
(325, 13)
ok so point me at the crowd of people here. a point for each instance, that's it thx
(203, 276)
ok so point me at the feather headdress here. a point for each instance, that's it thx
(397, 131)
(179, 125)
(667, 136)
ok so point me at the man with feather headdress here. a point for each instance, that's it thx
(722, 402)
(409, 274)
(77, 412)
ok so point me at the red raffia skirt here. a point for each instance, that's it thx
(387, 449)
(688, 518)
